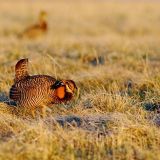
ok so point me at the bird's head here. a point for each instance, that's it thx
(43, 20)
(64, 89)
(43, 15)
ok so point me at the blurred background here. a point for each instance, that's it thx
(99, 22)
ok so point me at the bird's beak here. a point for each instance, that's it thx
(68, 89)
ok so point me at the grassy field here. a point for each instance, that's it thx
(111, 49)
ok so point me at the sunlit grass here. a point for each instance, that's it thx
(111, 49)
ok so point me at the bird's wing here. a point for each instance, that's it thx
(21, 70)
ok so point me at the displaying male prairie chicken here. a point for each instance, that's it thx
(37, 29)
(37, 91)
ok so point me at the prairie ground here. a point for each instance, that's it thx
(111, 49)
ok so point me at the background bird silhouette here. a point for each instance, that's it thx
(37, 29)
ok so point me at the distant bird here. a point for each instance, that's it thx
(39, 91)
(38, 29)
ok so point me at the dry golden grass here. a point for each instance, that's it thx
(111, 49)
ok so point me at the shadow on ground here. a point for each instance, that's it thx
(4, 98)
(93, 123)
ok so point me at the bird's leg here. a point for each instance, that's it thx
(43, 111)
(33, 113)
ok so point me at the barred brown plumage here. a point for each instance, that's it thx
(35, 91)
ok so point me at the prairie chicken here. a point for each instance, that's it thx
(38, 29)
(37, 91)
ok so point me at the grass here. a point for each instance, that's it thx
(113, 92)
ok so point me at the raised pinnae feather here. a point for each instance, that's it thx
(21, 69)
